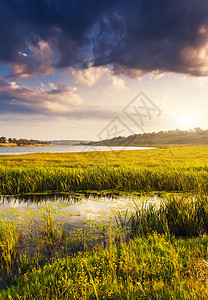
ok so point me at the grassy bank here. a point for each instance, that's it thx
(150, 268)
(171, 169)
(169, 156)
(20, 180)
(155, 264)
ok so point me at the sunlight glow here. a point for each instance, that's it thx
(186, 120)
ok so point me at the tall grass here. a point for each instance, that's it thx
(145, 268)
(34, 245)
(152, 265)
(36, 180)
(178, 216)
(51, 233)
(9, 237)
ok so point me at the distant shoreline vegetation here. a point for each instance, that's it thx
(13, 142)
(171, 137)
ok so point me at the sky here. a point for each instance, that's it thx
(90, 70)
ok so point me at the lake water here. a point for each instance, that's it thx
(62, 148)
(74, 211)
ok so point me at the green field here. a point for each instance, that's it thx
(145, 268)
(182, 169)
(158, 252)
(165, 156)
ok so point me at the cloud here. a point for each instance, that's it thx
(93, 75)
(118, 83)
(133, 39)
(48, 100)
(51, 99)
(38, 64)
(89, 77)
(197, 58)
(150, 36)
(64, 25)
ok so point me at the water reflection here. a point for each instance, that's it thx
(64, 149)
(76, 210)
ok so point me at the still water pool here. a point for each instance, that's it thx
(75, 211)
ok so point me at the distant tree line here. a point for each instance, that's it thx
(21, 142)
(3, 139)
(170, 136)
(175, 132)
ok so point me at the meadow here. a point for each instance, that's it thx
(165, 156)
(167, 169)
(157, 252)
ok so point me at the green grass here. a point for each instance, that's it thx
(155, 264)
(145, 268)
(22, 180)
(177, 216)
(9, 237)
(38, 240)
(167, 156)
(169, 169)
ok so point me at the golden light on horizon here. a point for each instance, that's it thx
(186, 120)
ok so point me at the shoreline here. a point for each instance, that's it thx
(15, 145)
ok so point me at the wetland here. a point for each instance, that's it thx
(108, 225)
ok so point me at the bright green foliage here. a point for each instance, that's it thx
(21, 180)
(177, 216)
(150, 268)
(182, 156)
(169, 169)
(50, 231)
(9, 237)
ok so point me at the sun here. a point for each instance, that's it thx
(187, 120)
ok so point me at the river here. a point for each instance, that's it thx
(62, 149)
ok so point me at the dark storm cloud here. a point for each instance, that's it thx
(64, 24)
(134, 37)
(150, 35)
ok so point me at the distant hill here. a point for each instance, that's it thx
(69, 142)
(193, 137)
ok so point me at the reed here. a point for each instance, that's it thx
(154, 264)
(39, 241)
(177, 216)
(168, 169)
(145, 268)
(21, 180)
(9, 237)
